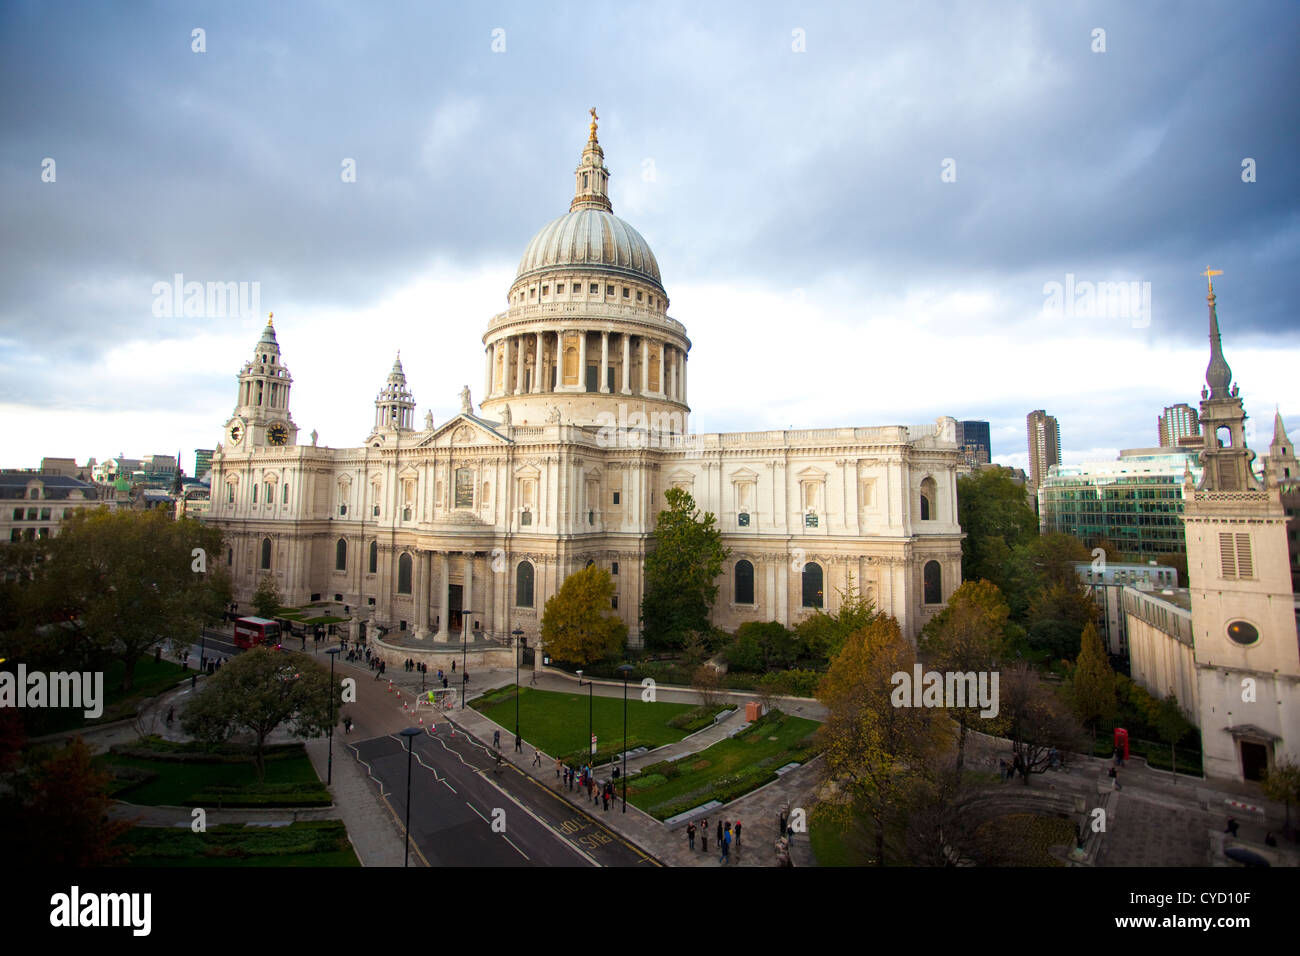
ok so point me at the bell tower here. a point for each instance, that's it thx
(262, 407)
(1245, 644)
(395, 405)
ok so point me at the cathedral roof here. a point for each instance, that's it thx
(589, 236)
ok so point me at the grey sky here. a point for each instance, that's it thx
(826, 273)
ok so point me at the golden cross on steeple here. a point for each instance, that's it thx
(269, 317)
(1209, 276)
(594, 117)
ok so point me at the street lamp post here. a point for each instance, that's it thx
(329, 772)
(410, 733)
(625, 669)
(517, 633)
(466, 619)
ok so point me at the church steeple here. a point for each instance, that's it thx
(262, 408)
(395, 405)
(1218, 376)
(1226, 460)
(591, 188)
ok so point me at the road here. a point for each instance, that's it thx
(466, 813)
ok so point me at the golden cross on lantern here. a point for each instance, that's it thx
(1209, 276)
(594, 117)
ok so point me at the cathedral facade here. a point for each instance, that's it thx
(475, 521)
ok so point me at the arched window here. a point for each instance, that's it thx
(266, 554)
(524, 584)
(404, 574)
(374, 556)
(341, 555)
(928, 499)
(589, 563)
(812, 585)
(933, 583)
(744, 582)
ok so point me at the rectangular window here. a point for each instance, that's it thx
(45, 514)
(616, 497)
(639, 295)
(464, 488)
(627, 293)
(375, 511)
(18, 514)
(343, 509)
(614, 569)
(286, 494)
(546, 290)
(559, 287)
(254, 493)
(609, 290)
(594, 288)
(230, 494)
(614, 602)
(269, 496)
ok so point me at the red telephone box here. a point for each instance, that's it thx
(1121, 742)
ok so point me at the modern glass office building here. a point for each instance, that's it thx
(1135, 502)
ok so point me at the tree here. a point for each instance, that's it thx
(1094, 683)
(257, 691)
(1172, 726)
(122, 582)
(1282, 782)
(967, 636)
(681, 572)
(762, 646)
(61, 800)
(1057, 616)
(577, 622)
(875, 749)
(1035, 720)
(266, 599)
(824, 634)
(994, 512)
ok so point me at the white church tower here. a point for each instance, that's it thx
(1247, 653)
(262, 408)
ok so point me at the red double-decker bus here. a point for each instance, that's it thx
(255, 631)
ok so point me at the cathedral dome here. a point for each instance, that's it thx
(591, 239)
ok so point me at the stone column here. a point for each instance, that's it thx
(519, 364)
(582, 360)
(627, 365)
(424, 569)
(491, 368)
(604, 362)
(467, 599)
(537, 366)
(683, 378)
(443, 609)
(672, 381)
(645, 365)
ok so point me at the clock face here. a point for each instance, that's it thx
(236, 433)
(277, 434)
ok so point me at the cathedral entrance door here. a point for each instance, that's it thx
(455, 597)
(1254, 760)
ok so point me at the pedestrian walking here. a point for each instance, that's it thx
(704, 835)
(453, 666)
(519, 744)
(496, 740)
(780, 827)
(737, 834)
(537, 757)
(690, 836)
(719, 834)
(604, 795)
(171, 715)
(558, 764)
(726, 848)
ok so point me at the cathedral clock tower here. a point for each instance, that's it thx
(1245, 645)
(262, 410)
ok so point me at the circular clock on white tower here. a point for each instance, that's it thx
(262, 410)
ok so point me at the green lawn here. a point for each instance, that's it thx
(311, 843)
(726, 770)
(557, 722)
(150, 680)
(175, 782)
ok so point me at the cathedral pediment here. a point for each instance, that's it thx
(465, 430)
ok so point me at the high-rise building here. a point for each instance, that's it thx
(973, 439)
(1044, 444)
(202, 461)
(1179, 426)
(1227, 646)
(1133, 502)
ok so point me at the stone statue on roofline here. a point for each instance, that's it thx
(466, 404)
